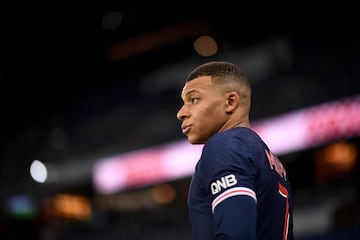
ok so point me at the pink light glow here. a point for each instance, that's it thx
(287, 133)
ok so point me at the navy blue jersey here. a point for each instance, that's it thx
(240, 190)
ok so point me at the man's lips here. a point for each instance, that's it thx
(185, 129)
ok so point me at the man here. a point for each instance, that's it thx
(240, 189)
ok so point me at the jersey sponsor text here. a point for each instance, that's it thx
(223, 183)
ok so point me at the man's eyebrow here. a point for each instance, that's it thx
(191, 91)
(187, 93)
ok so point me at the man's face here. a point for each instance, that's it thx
(203, 111)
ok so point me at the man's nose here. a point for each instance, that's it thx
(181, 115)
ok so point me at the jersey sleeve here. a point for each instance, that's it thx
(230, 176)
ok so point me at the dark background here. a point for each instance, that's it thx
(66, 102)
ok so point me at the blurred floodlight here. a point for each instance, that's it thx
(205, 46)
(38, 171)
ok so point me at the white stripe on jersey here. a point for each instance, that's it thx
(233, 192)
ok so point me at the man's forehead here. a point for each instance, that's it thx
(198, 83)
(183, 92)
(189, 87)
(186, 87)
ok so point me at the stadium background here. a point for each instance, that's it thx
(82, 84)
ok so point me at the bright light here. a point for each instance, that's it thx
(38, 171)
(290, 132)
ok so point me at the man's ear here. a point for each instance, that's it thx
(232, 101)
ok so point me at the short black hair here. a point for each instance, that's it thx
(218, 69)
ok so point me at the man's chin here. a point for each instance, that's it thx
(195, 141)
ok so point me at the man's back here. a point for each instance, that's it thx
(237, 172)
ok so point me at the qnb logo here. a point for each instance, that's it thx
(223, 183)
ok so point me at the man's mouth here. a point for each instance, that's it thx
(185, 129)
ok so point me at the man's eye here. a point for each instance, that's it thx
(194, 100)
